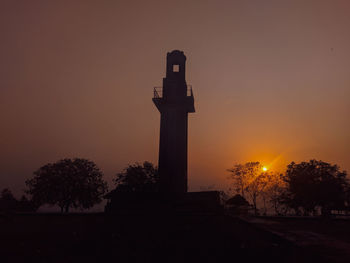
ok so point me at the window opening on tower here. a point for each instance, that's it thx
(176, 68)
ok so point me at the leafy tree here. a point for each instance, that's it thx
(7, 195)
(26, 205)
(138, 178)
(7, 201)
(315, 184)
(67, 183)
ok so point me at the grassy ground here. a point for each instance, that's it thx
(140, 238)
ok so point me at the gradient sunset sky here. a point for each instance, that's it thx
(271, 81)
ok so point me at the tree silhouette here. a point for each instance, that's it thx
(274, 186)
(249, 181)
(8, 203)
(67, 183)
(315, 184)
(26, 205)
(138, 178)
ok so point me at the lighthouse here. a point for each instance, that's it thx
(174, 100)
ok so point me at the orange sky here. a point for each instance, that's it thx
(271, 81)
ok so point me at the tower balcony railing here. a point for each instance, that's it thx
(158, 92)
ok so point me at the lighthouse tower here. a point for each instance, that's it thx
(174, 101)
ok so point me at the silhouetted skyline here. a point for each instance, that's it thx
(271, 81)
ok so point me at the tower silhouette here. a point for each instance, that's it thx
(174, 101)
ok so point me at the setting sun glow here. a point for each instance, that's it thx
(264, 168)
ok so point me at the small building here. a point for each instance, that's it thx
(238, 205)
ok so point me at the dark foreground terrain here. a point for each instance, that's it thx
(163, 237)
(327, 237)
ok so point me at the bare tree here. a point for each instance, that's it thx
(248, 180)
(274, 187)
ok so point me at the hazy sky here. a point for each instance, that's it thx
(271, 81)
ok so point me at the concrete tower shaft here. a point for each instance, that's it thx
(174, 101)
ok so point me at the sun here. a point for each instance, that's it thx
(264, 168)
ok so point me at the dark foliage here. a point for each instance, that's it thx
(315, 184)
(8, 203)
(26, 205)
(67, 183)
(138, 178)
